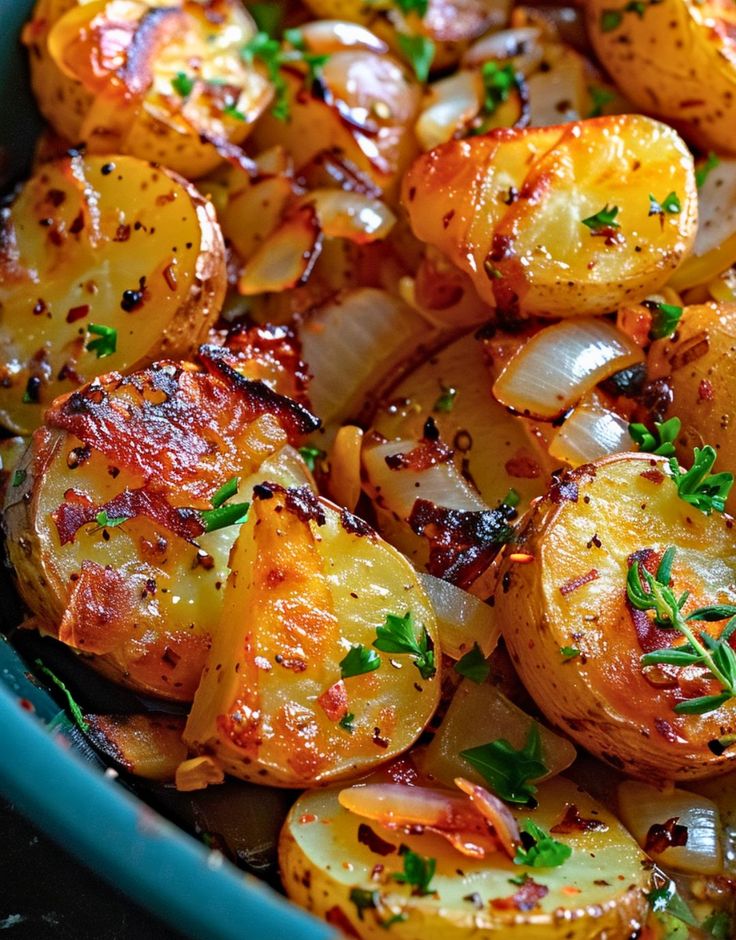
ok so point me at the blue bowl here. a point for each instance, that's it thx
(196, 891)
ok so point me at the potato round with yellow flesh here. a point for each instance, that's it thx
(698, 365)
(557, 221)
(597, 892)
(140, 587)
(310, 586)
(163, 82)
(105, 263)
(581, 539)
(675, 59)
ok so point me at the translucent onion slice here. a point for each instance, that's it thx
(324, 37)
(344, 482)
(398, 490)
(495, 811)
(523, 45)
(351, 344)
(590, 432)
(286, 258)
(561, 363)
(642, 807)
(359, 218)
(479, 714)
(463, 619)
(453, 102)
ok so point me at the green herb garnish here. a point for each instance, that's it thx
(106, 343)
(569, 652)
(310, 456)
(419, 53)
(268, 51)
(539, 849)
(670, 203)
(19, 477)
(610, 20)
(603, 220)
(666, 900)
(347, 722)
(473, 665)
(600, 97)
(358, 661)
(398, 635)
(703, 172)
(698, 486)
(106, 522)
(268, 17)
(419, 7)
(446, 401)
(364, 900)
(75, 710)
(719, 925)
(183, 84)
(226, 491)
(223, 516)
(418, 872)
(662, 442)
(509, 771)
(665, 318)
(231, 111)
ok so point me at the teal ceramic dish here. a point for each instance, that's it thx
(195, 890)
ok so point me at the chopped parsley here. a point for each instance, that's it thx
(347, 722)
(665, 318)
(267, 16)
(473, 665)
(498, 83)
(418, 872)
(661, 442)
(398, 635)
(358, 661)
(508, 770)
(539, 849)
(670, 203)
(183, 84)
(364, 900)
(704, 170)
(512, 498)
(446, 401)
(418, 52)
(599, 97)
(716, 655)
(106, 342)
(419, 7)
(698, 486)
(569, 652)
(718, 925)
(105, 522)
(666, 900)
(610, 20)
(310, 456)
(221, 515)
(268, 51)
(75, 710)
(603, 220)
(19, 477)
(231, 111)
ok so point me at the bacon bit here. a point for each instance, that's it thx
(428, 453)
(521, 558)
(636, 322)
(77, 313)
(662, 836)
(526, 898)
(654, 476)
(334, 701)
(100, 609)
(523, 467)
(705, 391)
(572, 821)
(272, 354)
(574, 583)
(377, 845)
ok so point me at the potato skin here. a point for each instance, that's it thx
(582, 536)
(675, 60)
(698, 365)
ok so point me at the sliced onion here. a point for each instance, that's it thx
(286, 258)
(590, 432)
(523, 45)
(355, 216)
(345, 466)
(478, 714)
(324, 37)
(642, 806)
(286, 467)
(398, 490)
(463, 619)
(253, 213)
(559, 93)
(454, 101)
(495, 811)
(351, 344)
(561, 363)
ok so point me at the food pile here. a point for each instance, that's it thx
(367, 381)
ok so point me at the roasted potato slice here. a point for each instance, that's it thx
(146, 745)
(165, 83)
(103, 261)
(103, 512)
(294, 694)
(342, 868)
(564, 586)
(559, 221)
(675, 59)
(697, 365)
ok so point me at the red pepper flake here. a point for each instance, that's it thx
(705, 391)
(77, 313)
(337, 917)
(572, 821)
(523, 467)
(654, 476)
(26, 705)
(574, 583)
(367, 836)
(526, 898)
(665, 835)
(170, 276)
(334, 701)
(306, 818)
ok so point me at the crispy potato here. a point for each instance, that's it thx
(308, 583)
(139, 589)
(675, 59)
(509, 209)
(106, 73)
(93, 245)
(572, 593)
(597, 892)
(146, 745)
(697, 365)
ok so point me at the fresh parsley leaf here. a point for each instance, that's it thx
(667, 900)
(268, 17)
(223, 516)
(231, 111)
(226, 491)
(446, 401)
(310, 456)
(314, 65)
(358, 661)
(569, 652)
(75, 710)
(719, 925)
(364, 900)
(419, 7)
(183, 84)
(105, 522)
(610, 20)
(512, 498)
(510, 771)
(346, 722)
(539, 849)
(418, 872)
(418, 52)
(665, 318)
(599, 97)
(498, 83)
(473, 665)
(670, 203)
(698, 486)
(107, 341)
(19, 477)
(662, 442)
(398, 635)
(268, 51)
(703, 171)
(603, 220)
